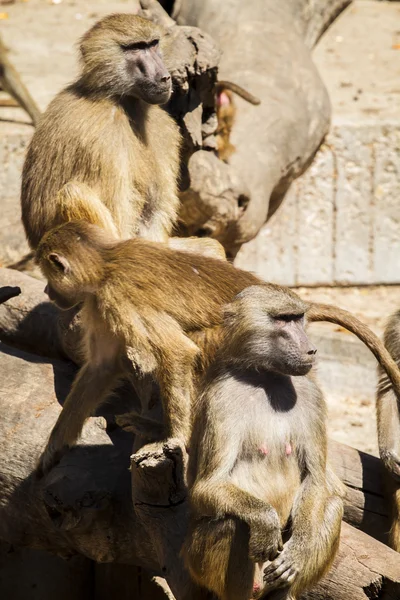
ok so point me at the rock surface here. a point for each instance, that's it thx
(340, 222)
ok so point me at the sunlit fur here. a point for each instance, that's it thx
(166, 307)
(257, 464)
(101, 155)
(388, 421)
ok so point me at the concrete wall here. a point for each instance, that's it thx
(340, 222)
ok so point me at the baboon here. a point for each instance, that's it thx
(226, 112)
(138, 305)
(388, 418)
(153, 307)
(107, 133)
(10, 81)
(265, 508)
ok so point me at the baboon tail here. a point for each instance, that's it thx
(332, 314)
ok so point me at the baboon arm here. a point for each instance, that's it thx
(388, 420)
(159, 226)
(217, 499)
(11, 82)
(91, 386)
(76, 201)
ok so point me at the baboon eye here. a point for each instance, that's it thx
(288, 317)
(139, 45)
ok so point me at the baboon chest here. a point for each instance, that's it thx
(272, 444)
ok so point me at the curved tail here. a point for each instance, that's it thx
(333, 314)
(237, 89)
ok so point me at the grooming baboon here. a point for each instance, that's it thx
(108, 132)
(157, 305)
(11, 82)
(260, 487)
(226, 112)
(388, 418)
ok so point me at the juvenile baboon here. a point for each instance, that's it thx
(226, 112)
(160, 307)
(107, 132)
(264, 504)
(388, 418)
(138, 305)
(10, 81)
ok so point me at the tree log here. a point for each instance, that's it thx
(28, 320)
(266, 49)
(364, 569)
(85, 504)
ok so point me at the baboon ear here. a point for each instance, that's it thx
(60, 262)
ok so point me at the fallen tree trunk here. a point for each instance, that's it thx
(85, 504)
(364, 569)
(366, 505)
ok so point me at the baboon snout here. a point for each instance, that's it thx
(165, 78)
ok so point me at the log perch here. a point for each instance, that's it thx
(84, 506)
(92, 505)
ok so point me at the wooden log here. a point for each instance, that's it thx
(28, 320)
(84, 506)
(364, 569)
(366, 505)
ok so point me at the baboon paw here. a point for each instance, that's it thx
(391, 460)
(47, 462)
(281, 572)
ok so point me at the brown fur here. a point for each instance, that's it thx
(10, 81)
(102, 153)
(226, 113)
(163, 305)
(243, 502)
(388, 421)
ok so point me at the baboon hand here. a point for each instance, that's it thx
(49, 459)
(265, 537)
(282, 571)
(391, 460)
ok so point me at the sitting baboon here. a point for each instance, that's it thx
(265, 508)
(388, 420)
(107, 133)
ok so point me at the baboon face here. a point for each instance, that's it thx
(121, 56)
(150, 80)
(266, 328)
(294, 354)
(61, 300)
